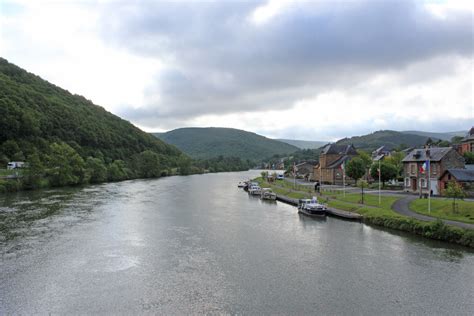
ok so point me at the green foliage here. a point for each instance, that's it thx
(356, 168)
(64, 165)
(365, 157)
(117, 171)
(147, 164)
(388, 171)
(469, 157)
(456, 139)
(206, 143)
(33, 174)
(434, 230)
(96, 170)
(36, 114)
(220, 164)
(184, 165)
(10, 148)
(455, 191)
(395, 159)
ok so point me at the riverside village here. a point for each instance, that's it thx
(429, 184)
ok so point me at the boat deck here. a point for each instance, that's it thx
(330, 211)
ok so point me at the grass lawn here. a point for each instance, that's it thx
(443, 208)
(336, 199)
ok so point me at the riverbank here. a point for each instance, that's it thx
(17, 181)
(382, 214)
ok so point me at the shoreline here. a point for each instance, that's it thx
(436, 230)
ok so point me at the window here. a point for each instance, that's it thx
(407, 182)
(423, 183)
(412, 169)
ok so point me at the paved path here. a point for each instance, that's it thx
(401, 206)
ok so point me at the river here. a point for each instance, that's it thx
(198, 244)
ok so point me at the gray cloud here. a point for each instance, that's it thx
(219, 62)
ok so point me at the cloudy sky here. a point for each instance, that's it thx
(314, 70)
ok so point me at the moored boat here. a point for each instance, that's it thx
(268, 194)
(311, 207)
(254, 189)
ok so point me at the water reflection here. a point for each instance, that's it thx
(188, 245)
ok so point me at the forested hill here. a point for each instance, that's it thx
(391, 139)
(204, 143)
(304, 144)
(34, 114)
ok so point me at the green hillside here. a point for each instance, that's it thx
(391, 139)
(204, 143)
(40, 121)
(443, 136)
(304, 144)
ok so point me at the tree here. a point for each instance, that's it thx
(362, 184)
(366, 159)
(355, 168)
(147, 164)
(117, 171)
(33, 172)
(65, 166)
(396, 160)
(184, 165)
(429, 141)
(455, 191)
(388, 171)
(469, 157)
(10, 148)
(96, 170)
(457, 139)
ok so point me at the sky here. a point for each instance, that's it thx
(311, 70)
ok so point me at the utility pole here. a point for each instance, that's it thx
(380, 178)
(428, 157)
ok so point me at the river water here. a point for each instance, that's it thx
(198, 244)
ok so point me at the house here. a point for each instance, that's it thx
(305, 170)
(467, 143)
(440, 159)
(464, 177)
(380, 153)
(329, 169)
(15, 165)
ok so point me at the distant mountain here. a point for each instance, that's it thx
(304, 144)
(204, 143)
(442, 136)
(388, 138)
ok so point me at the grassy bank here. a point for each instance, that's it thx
(378, 214)
(443, 208)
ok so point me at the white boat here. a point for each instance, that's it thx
(311, 207)
(255, 189)
(268, 194)
(241, 184)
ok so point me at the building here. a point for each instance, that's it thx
(441, 159)
(380, 153)
(305, 170)
(464, 177)
(15, 165)
(467, 143)
(329, 169)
